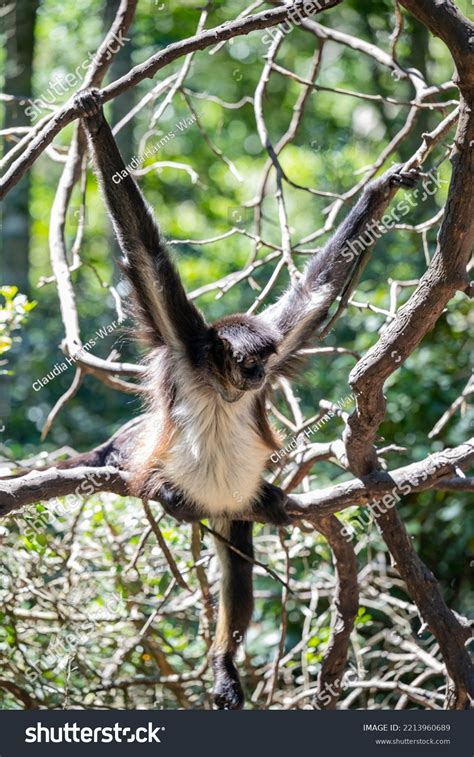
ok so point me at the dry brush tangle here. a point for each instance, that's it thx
(368, 480)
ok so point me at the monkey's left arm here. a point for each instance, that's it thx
(163, 308)
(304, 306)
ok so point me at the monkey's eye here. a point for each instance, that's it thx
(250, 362)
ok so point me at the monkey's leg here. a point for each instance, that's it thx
(235, 610)
(177, 505)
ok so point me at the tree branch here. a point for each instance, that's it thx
(451, 630)
(107, 463)
(346, 604)
(446, 275)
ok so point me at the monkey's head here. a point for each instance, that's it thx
(240, 346)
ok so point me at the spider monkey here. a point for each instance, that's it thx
(207, 439)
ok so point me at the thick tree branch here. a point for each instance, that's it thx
(446, 21)
(346, 604)
(446, 275)
(109, 464)
(39, 486)
(451, 630)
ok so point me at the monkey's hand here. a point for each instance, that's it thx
(89, 103)
(380, 190)
(405, 179)
(271, 505)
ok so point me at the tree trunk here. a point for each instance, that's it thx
(20, 32)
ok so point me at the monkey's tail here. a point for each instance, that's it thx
(235, 609)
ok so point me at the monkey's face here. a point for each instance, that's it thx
(232, 374)
(248, 372)
(238, 362)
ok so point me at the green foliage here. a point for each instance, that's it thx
(14, 310)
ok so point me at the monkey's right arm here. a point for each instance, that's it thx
(168, 317)
(334, 269)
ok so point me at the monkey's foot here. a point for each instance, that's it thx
(89, 103)
(228, 694)
(176, 505)
(271, 505)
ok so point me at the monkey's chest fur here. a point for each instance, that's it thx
(213, 451)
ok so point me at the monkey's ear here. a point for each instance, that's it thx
(227, 346)
(231, 349)
(219, 341)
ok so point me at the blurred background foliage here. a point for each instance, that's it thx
(338, 137)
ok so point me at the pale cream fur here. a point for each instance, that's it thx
(216, 455)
